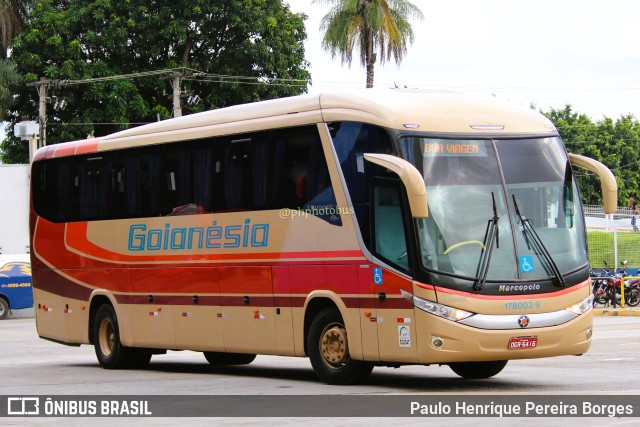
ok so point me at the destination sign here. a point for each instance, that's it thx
(455, 148)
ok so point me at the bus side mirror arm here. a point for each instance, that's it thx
(607, 180)
(411, 179)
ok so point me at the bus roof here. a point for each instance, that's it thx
(401, 109)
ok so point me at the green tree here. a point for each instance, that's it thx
(8, 77)
(368, 26)
(614, 143)
(87, 39)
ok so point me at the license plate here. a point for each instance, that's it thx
(523, 343)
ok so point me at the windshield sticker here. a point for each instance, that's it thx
(526, 264)
(455, 148)
(404, 336)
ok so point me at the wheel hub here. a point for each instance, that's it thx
(334, 346)
(107, 337)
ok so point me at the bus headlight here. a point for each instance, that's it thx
(581, 307)
(440, 310)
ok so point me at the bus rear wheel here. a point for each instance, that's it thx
(221, 359)
(106, 341)
(329, 350)
(478, 370)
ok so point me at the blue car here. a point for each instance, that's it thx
(16, 291)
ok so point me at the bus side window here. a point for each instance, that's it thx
(241, 172)
(351, 140)
(141, 175)
(388, 231)
(94, 177)
(299, 175)
(187, 178)
(52, 189)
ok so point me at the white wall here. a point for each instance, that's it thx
(14, 209)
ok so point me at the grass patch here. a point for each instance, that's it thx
(601, 249)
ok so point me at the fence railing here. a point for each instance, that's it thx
(612, 238)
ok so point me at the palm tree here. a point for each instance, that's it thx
(370, 26)
(13, 14)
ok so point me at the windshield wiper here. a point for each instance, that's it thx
(530, 234)
(490, 235)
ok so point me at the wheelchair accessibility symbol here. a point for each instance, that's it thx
(526, 264)
(377, 276)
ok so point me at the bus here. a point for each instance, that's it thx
(359, 229)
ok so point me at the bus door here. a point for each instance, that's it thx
(395, 316)
(247, 310)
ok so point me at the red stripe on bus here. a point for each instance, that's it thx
(512, 297)
(52, 282)
(423, 286)
(64, 149)
(87, 146)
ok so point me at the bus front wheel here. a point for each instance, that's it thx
(478, 370)
(109, 350)
(329, 350)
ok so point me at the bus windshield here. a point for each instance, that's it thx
(499, 210)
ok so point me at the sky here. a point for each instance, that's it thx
(548, 53)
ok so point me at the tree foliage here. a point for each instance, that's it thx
(70, 40)
(367, 26)
(614, 143)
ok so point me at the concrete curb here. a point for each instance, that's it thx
(627, 311)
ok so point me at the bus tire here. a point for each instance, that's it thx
(328, 349)
(478, 370)
(4, 308)
(220, 359)
(109, 350)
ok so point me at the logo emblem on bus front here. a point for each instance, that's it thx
(523, 321)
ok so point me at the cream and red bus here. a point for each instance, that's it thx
(372, 228)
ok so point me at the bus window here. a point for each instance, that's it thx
(241, 167)
(388, 230)
(351, 140)
(52, 189)
(94, 183)
(299, 174)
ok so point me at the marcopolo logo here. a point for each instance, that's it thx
(215, 236)
(519, 288)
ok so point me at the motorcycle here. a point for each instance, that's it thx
(600, 290)
(607, 288)
(601, 281)
(631, 293)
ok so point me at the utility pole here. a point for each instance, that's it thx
(41, 86)
(42, 111)
(177, 110)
